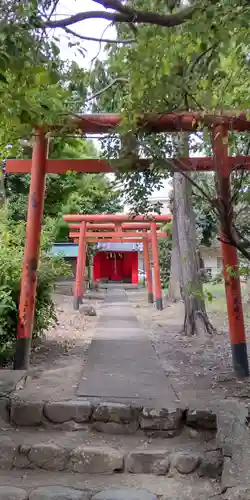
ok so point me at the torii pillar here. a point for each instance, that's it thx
(157, 275)
(80, 266)
(31, 253)
(148, 270)
(230, 258)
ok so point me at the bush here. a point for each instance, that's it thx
(12, 236)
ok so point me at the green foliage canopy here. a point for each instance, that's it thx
(203, 65)
(71, 192)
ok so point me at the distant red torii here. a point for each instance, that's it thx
(116, 218)
(125, 226)
(145, 232)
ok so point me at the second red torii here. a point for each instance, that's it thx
(148, 234)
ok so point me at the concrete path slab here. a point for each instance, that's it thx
(122, 363)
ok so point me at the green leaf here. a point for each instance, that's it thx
(3, 78)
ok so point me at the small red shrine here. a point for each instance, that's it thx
(116, 266)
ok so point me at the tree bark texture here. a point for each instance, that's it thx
(174, 287)
(196, 321)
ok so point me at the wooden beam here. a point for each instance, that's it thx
(60, 166)
(171, 122)
(116, 235)
(112, 240)
(204, 164)
(109, 226)
(116, 218)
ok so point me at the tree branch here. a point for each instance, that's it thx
(104, 89)
(139, 17)
(100, 40)
(200, 57)
(116, 5)
(168, 162)
(233, 235)
(119, 7)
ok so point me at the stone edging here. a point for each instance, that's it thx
(55, 492)
(104, 459)
(61, 492)
(113, 418)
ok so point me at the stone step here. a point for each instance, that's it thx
(40, 485)
(92, 453)
(106, 417)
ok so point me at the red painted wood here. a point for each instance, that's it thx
(147, 267)
(206, 164)
(32, 243)
(116, 269)
(116, 217)
(102, 234)
(81, 263)
(128, 235)
(127, 265)
(155, 258)
(134, 259)
(229, 253)
(171, 122)
(125, 226)
(97, 266)
(60, 166)
(125, 268)
(110, 240)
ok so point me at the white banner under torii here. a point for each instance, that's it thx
(120, 247)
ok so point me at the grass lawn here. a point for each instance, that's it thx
(218, 303)
(217, 290)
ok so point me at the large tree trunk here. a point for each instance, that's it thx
(196, 321)
(174, 288)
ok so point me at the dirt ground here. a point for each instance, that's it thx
(199, 368)
(57, 361)
(72, 330)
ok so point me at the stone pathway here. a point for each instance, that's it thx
(108, 437)
(122, 365)
(40, 485)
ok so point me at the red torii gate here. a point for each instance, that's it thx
(83, 235)
(152, 123)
